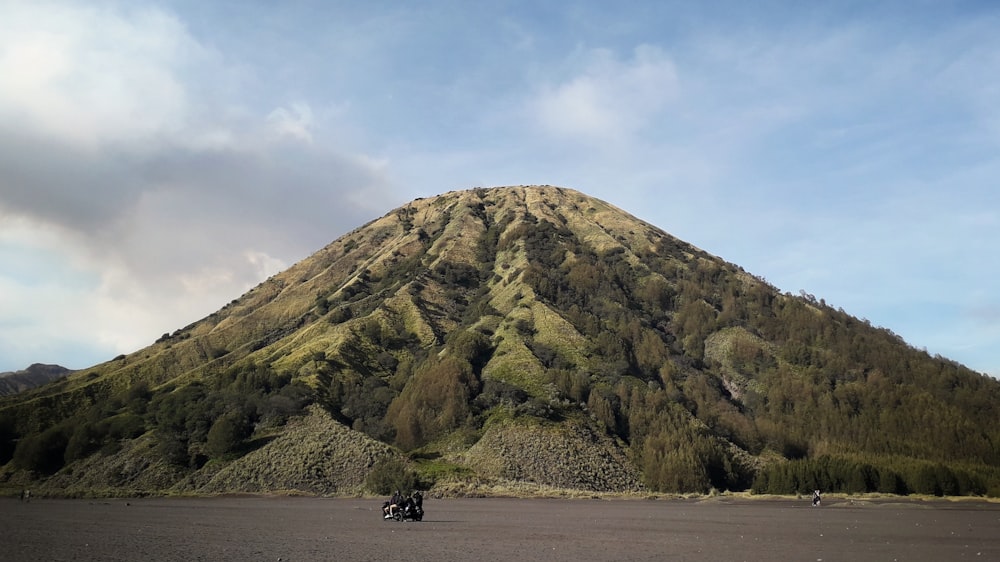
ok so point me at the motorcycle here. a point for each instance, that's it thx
(411, 510)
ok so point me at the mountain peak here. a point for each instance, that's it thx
(36, 374)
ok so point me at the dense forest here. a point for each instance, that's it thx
(453, 321)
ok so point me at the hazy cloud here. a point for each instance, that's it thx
(608, 99)
(295, 122)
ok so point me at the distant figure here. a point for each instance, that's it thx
(816, 498)
(22, 494)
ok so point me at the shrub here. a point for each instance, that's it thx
(389, 475)
(172, 447)
(85, 440)
(43, 452)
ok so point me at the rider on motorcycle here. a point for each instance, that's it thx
(394, 503)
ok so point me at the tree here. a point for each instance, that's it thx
(227, 434)
(8, 437)
(436, 400)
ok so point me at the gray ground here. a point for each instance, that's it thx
(265, 528)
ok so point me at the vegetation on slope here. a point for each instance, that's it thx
(529, 334)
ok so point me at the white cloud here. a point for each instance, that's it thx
(265, 265)
(295, 122)
(609, 99)
(87, 75)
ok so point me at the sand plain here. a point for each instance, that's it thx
(297, 528)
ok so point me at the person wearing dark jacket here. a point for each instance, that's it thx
(394, 503)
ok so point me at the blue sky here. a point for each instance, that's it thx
(158, 159)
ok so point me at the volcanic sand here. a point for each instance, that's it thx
(290, 528)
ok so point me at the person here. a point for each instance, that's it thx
(417, 506)
(816, 498)
(393, 504)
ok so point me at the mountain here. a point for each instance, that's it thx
(510, 339)
(35, 375)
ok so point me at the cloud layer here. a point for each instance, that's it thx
(125, 153)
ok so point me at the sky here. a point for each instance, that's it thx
(159, 158)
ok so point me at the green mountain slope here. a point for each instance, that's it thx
(529, 335)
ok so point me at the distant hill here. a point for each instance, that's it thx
(516, 338)
(35, 375)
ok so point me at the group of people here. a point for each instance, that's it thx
(400, 502)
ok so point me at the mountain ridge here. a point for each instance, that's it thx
(36, 374)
